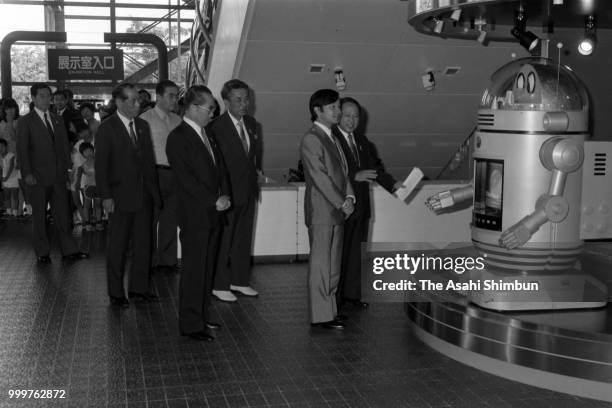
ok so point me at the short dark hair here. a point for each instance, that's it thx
(348, 99)
(144, 91)
(84, 146)
(61, 92)
(161, 87)
(118, 91)
(192, 96)
(38, 86)
(69, 94)
(230, 85)
(87, 105)
(8, 103)
(321, 98)
(3, 142)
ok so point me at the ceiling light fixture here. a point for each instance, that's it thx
(438, 25)
(587, 44)
(456, 14)
(526, 38)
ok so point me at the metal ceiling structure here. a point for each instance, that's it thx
(115, 15)
(497, 17)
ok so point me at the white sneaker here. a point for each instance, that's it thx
(224, 295)
(245, 290)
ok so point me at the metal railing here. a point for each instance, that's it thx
(459, 165)
(201, 41)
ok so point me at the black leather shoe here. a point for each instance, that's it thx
(200, 336)
(357, 303)
(213, 326)
(332, 324)
(341, 317)
(45, 259)
(119, 301)
(143, 297)
(75, 257)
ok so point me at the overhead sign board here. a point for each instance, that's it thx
(67, 64)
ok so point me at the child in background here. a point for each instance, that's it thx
(10, 181)
(86, 183)
(83, 135)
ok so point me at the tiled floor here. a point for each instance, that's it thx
(57, 331)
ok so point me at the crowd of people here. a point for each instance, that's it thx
(147, 168)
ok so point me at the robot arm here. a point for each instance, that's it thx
(449, 198)
(561, 156)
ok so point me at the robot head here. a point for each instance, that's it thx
(535, 84)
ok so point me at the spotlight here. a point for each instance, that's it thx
(526, 38)
(429, 81)
(438, 25)
(482, 37)
(456, 15)
(482, 34)
(587, 44)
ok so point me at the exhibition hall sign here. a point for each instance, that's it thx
(65, 64)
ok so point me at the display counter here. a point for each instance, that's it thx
(280, 230)
(276, 233)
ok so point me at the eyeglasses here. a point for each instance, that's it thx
(206, 108)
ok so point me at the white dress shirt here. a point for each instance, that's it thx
(161, 125)
(41, 114)
(237, 125)
(200, 133)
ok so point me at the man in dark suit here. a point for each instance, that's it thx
(127, 183)
(364, 167)
(72, 117)
(328, 200)
(237, 135)
(203, 195)
(44, 159)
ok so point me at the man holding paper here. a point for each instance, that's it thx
(364, 167)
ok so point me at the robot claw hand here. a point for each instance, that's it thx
(515, 236)
(439, 201)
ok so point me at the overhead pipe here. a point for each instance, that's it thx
(140, 38)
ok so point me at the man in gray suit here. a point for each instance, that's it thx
(328, 200)
(43, 155)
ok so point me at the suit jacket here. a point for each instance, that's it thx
(124, 172)
(326, 184)
(38, 154)
(242, 168)
(368, 160)
(200, 181)
(72, 116)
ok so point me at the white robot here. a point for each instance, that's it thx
(527, 191)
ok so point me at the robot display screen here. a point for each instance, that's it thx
(488, 194)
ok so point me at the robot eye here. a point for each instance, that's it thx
(520, 81)
(531, 80)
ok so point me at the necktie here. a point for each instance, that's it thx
(354, 147)
(341, 153)
(49, 128)
(132, 133)
(245, 144)
(208, 146)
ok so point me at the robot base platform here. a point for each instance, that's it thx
(571, 289)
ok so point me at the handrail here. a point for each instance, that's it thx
(201, 41)
(459, 154)
(5, 52)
